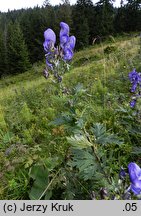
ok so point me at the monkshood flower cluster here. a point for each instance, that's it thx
(123, 190)
(57, 58)
(135, 178)
(135, 79)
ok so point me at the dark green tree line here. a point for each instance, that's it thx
(21, 31)
(13, 50)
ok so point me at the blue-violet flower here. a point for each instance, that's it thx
(133, 103)
(50, 39)
(135, 178)
(66, 43)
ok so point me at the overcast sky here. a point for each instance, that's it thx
(17, 4)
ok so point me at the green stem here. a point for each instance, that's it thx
(75, 179)
(49, 185)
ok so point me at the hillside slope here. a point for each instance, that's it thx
(29, 136)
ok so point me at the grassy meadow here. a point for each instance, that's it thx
(45, 135)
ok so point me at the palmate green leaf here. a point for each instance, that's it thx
(103, 137)
(58, 121)
(79, 142)
(64, 119)
(40, 176)
(98, 130)
(86, 163)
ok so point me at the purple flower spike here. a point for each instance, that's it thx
(133, 76)
(135, 79)
(66, 43)
(135, 178)
(50, 39)
(63, 52)
(132, 103)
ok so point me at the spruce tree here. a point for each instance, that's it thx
(120, 20)
(133, 15)
(2, 55)
(33, 23)
(18, 60)
(64, 13)
(3, 46)
(105, 17)
(83, 22)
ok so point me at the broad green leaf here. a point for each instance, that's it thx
(40, 176)
(48, 195)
